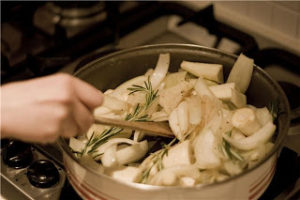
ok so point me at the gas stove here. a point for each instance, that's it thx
(40, 38)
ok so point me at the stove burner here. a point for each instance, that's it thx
(72, 17)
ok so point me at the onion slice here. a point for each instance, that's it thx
(160, 70)
(204, 148)
(259, 137)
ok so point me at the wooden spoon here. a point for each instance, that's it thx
(150, 128)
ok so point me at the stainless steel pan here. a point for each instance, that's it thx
(111, 70)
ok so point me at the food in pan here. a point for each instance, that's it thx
(217, 135)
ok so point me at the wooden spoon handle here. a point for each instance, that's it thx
(149, 128)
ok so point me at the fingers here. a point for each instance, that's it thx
(48, 107)
(82, 117)
(70, 127)
(87, 94)
(81, 103)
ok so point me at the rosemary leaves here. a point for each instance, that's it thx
(147, 89)
(156, 161)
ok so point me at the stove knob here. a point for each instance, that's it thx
(42, 174)
(17, 154)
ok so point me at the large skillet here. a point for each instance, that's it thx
(111, 70)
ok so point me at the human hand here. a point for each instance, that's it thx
(42, 109)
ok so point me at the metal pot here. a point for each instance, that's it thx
(111, 70)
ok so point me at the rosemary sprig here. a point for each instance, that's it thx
(97, 155)
(143, 118)
(228, 151)
(105, 135)
(87, 144)
(157, 159)
(137, 115)
(145, 175)
(147, 89)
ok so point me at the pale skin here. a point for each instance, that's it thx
(43, 109)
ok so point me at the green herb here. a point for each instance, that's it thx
(87, 144)
(229, 152)
(103, 138)
(144, 118)
(134, 115)
(147, 89)
(97, 155)
(137, 115)
(157, 159)
(236, 155)
(145, 175)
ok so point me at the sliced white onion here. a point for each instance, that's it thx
(179, 121)
(227, 114)
(241, 73)
(76, 145)
(245, 120)
(174, 78)
(101, 111)
(263, 115)
(205, 150)
(232, 168)
(183, 117)
(187, 181)
(121, 91)
(115, 104)
(170, 98)
(259, 137)
(95, 129)
(159, 116)
(194, 110)
(122, 173)
(209, 71)
(138, 135)
(113, 141)
(87, 160)
(109, 91)
(136, 98)
(109, 158)
(202, 89)
(236, 134)
(169, 176)
(180, 154)
(160, 70)
(132, 153)
(174, 125)
(149, 72)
